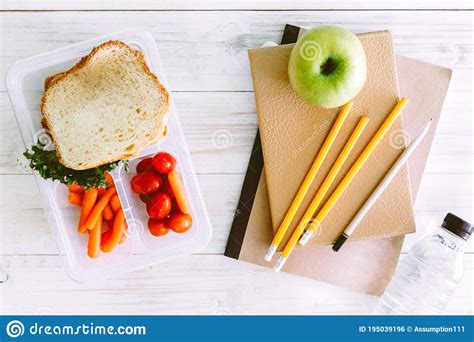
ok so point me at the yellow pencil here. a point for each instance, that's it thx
(346, 180)
(308, 180)
(324, 187)
(355, 168)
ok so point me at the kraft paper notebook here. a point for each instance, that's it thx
(293, 131)
(365, 266)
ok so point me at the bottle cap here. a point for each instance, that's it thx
(457, 226)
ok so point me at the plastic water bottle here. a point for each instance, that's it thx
(427, 277)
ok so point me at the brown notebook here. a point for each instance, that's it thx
(368, 265)
(293, 131)
(365, 266)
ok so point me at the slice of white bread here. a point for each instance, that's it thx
(107, 107)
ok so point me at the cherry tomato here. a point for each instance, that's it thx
(160, 206)
(157, 227)
(166, 188)
(145, 165)
(180, 222)
(146, 183)
(163, 162)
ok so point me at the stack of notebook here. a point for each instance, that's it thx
(291, 134)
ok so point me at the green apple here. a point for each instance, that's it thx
(327, 66)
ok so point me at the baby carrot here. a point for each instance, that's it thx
(109, 179)
(115, 203)
(106, 236)
(75, 188)
(75, 198)
(108, 212)
(178, 191)
(90, 197)
(98, 209)
(93, 246)
(101, 191)
(110, 223)
(117, 231)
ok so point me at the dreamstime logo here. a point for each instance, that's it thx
(15, 329)
(222, 139)
(231, 219)
(310, 50)
(317, 129)
(399, 139)
(43, 136)
(135, 229)
(314, 225)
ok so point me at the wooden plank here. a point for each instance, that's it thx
(189, 285)
(208, 52)
(207, 116)
(233, 5)
(25, 230)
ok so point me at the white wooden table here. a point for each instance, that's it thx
(203, 46)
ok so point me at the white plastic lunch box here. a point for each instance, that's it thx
(24, 82)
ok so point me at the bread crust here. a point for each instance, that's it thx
(51, 81)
